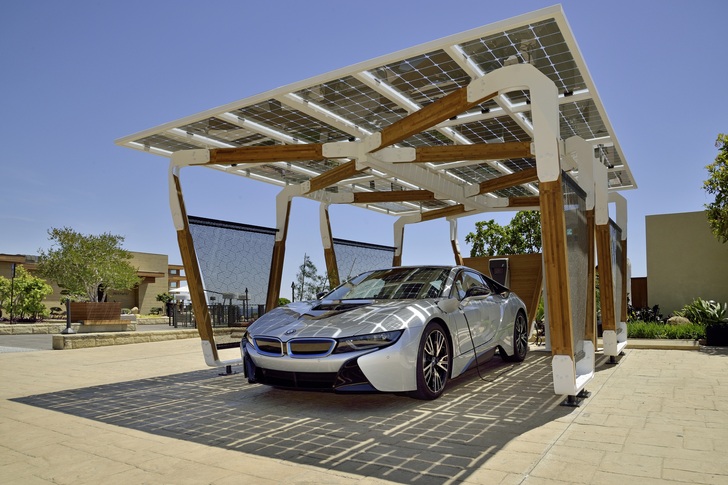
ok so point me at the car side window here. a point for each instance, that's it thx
(466, 280)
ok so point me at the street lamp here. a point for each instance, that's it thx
(293, 290)
(247, 305)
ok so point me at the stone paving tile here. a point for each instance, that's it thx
(656, 417)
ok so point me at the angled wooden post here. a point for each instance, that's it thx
(283, 214)
(332, 267)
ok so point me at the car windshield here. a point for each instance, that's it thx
(393, 284)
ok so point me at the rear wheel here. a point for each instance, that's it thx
(433, 362)
(520, 340)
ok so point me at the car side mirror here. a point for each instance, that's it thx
(477, 291)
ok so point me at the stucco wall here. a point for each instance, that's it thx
(144, 297)
(684, 261)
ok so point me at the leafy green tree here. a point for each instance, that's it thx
(87, 265)
(308, 282)
(717, 184)
(283, 301)
(23, 296)
(521, 236)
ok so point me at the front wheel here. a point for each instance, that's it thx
(433, 362)
(520, 340)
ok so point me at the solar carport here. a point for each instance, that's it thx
(500, 118)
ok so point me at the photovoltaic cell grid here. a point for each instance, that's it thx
(390, 437)
(370, 96)
(233, 257)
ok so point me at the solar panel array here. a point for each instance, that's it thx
(351, 103)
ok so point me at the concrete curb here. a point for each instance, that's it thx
(86, 340)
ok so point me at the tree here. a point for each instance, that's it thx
(87, 265)
(23, 296)
(522, 235)
(308, 282)
(717, 184)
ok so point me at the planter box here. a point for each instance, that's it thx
(95, 311)
(716, 335)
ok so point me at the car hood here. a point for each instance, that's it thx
(345, 318)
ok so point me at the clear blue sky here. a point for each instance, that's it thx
(77, 75)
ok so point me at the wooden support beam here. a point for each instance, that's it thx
(456, 252)
(481, 151)
(444, 108)
(276, 266)
(606, 276)
(524, 201)
(623, 265)
(332, 268)
(193, 276)
(333, 176)
(267, 153)
(393, 196)
(555, 260)
(444, 212)
(510, 180)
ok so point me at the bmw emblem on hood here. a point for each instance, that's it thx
(290, 332)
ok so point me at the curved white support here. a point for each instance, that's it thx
(399, 231)
(621, 205)
(583, 154)
(210, 359)
(544, 110)
(570, 378)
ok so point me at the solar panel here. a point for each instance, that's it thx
(352, 103)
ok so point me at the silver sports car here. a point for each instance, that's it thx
(403, 329)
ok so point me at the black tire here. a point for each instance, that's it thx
(520, 340)
(434, 361)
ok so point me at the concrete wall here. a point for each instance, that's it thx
(684, 261)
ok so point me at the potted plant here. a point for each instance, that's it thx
(713, 316)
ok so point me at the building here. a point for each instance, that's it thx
(152, 268)
(685, 261)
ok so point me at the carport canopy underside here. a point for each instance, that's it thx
(453, 158)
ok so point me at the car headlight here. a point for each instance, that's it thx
(366, 342)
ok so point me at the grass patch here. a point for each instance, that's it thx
(652, 330)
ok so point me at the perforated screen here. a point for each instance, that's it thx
(577, 246)
(353, 258)
(233, 257)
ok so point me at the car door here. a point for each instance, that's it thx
(480, 306)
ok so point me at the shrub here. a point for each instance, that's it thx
(644, 314)
(704, 312)
(155, 310)
(653, 330)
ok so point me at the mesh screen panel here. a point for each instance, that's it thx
(353, 258)
(577, 245)
(233, 257)
(615, 235)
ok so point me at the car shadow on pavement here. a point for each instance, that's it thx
(381, 435)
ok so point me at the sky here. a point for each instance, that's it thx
(77, 75)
